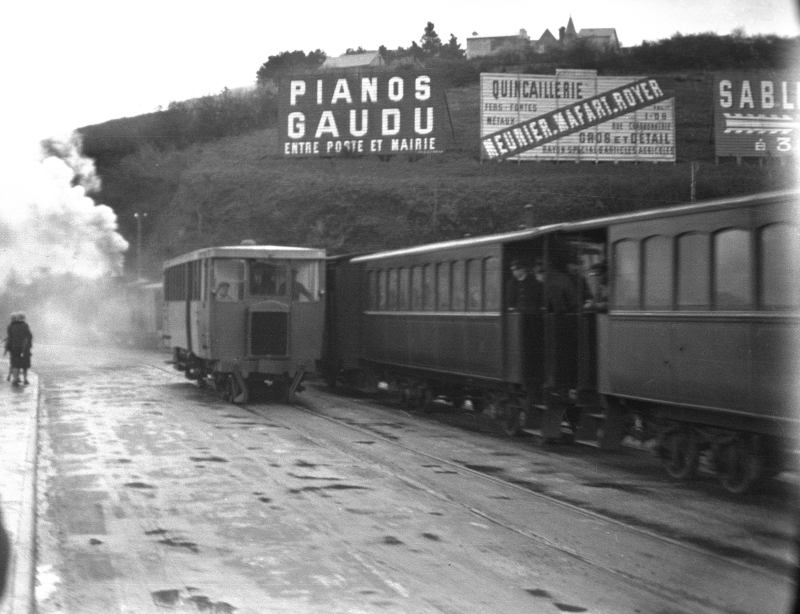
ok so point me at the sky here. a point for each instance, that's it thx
(69, 64)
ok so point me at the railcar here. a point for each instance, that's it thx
(689, 331)
(245, 317)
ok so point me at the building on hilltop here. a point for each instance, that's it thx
(354, 61)
(481, 46)
(602, 39)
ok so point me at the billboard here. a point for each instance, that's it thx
(575, 115)
(756, 113)
(379, 113)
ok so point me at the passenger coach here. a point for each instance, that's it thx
(245, 317)
(682, 322)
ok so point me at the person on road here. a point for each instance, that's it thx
(19, 341)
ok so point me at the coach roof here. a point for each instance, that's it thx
(279, 252)
(529, 233)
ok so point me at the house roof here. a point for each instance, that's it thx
(547, 36)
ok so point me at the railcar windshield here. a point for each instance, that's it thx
(267, 278)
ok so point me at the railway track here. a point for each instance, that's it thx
(676, 551)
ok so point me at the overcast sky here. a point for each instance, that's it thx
(70, 63)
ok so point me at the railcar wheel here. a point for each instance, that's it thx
(739, 467)
(680, 454)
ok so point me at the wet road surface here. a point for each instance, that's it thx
(157, 497)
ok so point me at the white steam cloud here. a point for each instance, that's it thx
(49, 226)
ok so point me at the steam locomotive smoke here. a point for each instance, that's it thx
(49, 226)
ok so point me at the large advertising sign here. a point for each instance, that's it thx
(381, 113)
(575, 115)
(756, 114)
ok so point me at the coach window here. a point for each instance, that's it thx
(733, 279)
(626, 274)
(658, 273)
(459, 295)
(428, 288)
(474, 283)
(382, 290)
(372, 285)
(779, 254)
(230, 271)
(403, 298)
(491, 284)
(416, 288)
(694, 276)
(391, 291)
(443, 286)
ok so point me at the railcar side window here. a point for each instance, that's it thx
(175, 283)
(443, 286)
(416, 288)
(491, 284)
(229, 271)
(693, 271)
(428, 288)
(626, 274)
(658, 273)
(458, 298)
(267, 278)
(732, 270)
(779, 254)
(474, 289)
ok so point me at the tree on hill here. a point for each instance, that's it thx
(288, 62)
(430, 42)
(452, 50)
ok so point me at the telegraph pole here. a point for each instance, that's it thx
(139, 217)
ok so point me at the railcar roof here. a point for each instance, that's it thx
(279, 252)
(528, 233)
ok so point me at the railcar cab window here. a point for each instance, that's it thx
(267, 279)
(231, 272)
(305, 281)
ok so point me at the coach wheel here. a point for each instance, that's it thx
(739, 467)
(425, 399)
(513, 421)
(680, 454)
(228, 391)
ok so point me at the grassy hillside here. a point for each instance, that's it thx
(238, 187)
